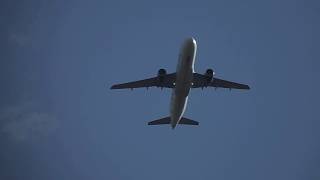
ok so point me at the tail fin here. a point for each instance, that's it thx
(187, 121)
(165, 120)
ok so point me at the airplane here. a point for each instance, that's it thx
(181, 82)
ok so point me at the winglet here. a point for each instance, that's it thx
(116, 86)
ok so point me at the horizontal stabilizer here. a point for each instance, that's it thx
(165, 120)
(187, 121)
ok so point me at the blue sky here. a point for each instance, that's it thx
(60, 120)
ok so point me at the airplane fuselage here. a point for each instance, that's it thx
(181, 82)
(184, 75)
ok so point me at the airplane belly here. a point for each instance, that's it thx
(178, 107)
(179, 96)
(184, 77)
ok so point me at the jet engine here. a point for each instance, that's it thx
(209, 75)
(161, 74)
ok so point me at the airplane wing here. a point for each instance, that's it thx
(165, 81)
(200, 81)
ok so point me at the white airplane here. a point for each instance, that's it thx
(181, 82)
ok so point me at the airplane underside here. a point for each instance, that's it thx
(181, 82)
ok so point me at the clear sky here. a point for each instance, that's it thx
(60, 120)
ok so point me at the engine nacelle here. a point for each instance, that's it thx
(209, 75)
(161, 74)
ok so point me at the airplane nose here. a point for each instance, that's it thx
(190, 43)
(191, 40)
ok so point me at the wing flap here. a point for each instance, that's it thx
(136, 84)
(227, 84)
(200, 80)
(168, 82)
